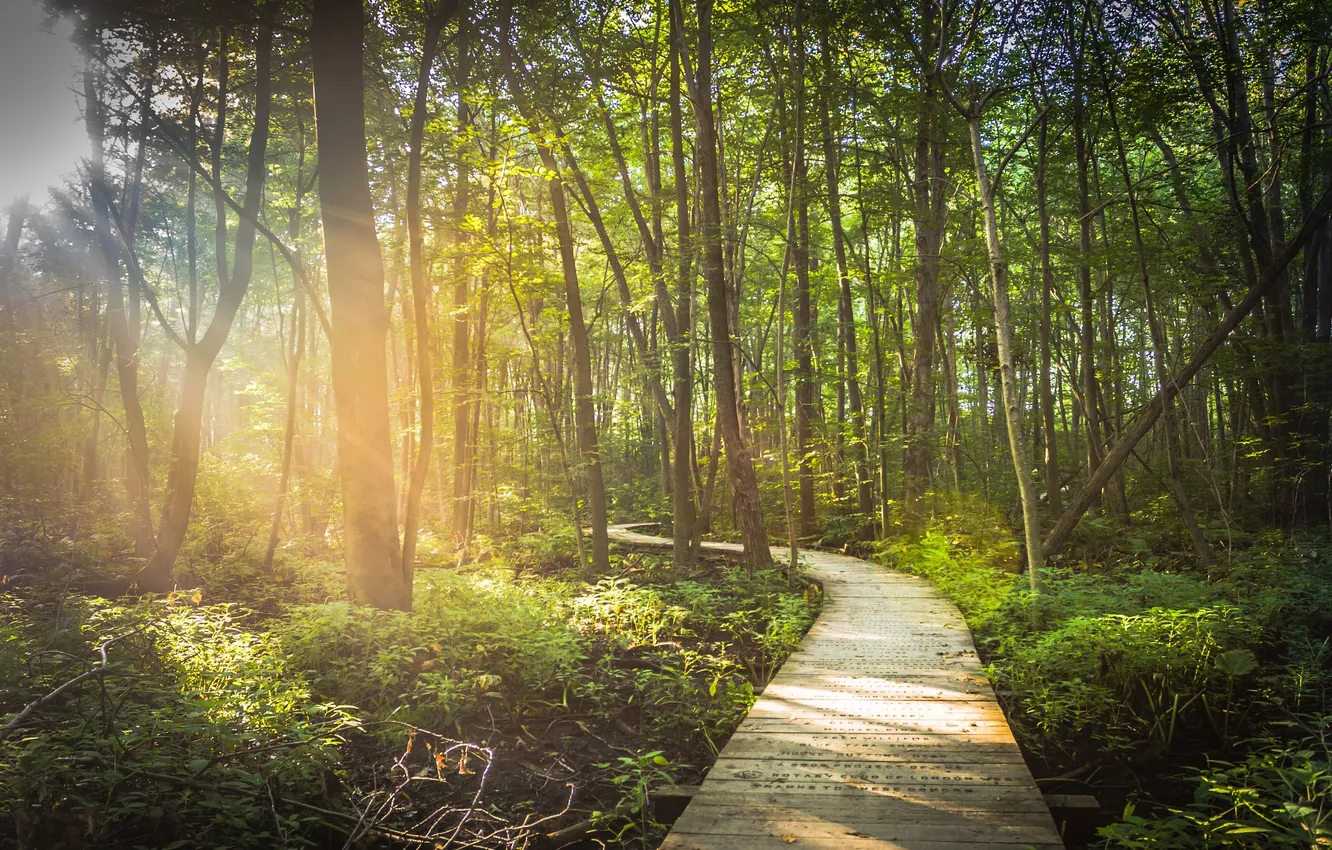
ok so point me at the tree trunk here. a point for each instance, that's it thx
(1087, 332)
(930, 197)
(463, 442)
(1053, 480)
(685, 511)
(846, 320)
(801, 340)
(425, 378)
(584, 413)
(744, 483)
(376, 574)
(1003, 327)
(137, 476)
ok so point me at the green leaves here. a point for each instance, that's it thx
(1235, 663)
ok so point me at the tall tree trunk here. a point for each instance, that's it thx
(1053, 481)
(585, 426)
(376, 574)
(1003, 327)
(584, 412)
(846, 320)
(740, 466)
(929, 196)
(685, 524)
(137, 476)
(801, 336)
(1087, 332)
(794, 556)
(463, 442)
(425, 378)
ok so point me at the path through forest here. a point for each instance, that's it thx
(880, 732)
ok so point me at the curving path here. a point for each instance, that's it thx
(879, 733)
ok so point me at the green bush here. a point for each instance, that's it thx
(469, 638)
(1123, 676)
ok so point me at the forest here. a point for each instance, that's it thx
(330, 371)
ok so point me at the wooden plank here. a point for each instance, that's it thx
(832, 810)
(848, 771)
(898, 712)
(932, 803)
(913, 749)
(810, 689)
(774, 822)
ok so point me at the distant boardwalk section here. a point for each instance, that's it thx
(879, 732)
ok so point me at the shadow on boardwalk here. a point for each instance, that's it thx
(879, 732)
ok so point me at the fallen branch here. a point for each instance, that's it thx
(1142, 426)
(97, 672)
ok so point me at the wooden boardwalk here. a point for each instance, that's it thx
(880, 732)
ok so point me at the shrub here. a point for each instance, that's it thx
(466, 636)
(1123, 676)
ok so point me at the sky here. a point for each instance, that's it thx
(41, 136)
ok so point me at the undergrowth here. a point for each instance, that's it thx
(1197, 697)
(260, 710)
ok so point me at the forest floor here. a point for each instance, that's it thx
(518, 700)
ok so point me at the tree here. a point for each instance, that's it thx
(376, 574)
(739, 465)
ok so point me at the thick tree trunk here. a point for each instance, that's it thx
(801, 332)
(739, 465)
(584, 412)
(930, 196)
(685, 511)
(585, 427)
(1087, 332)
(375, 572)
(463, 441)
(791, 535)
